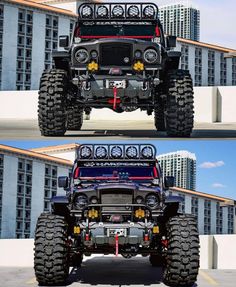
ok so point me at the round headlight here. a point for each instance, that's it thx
(94, 54)
(133, 11)
(147, 152)
(102, 12)
(116, 152)
(132, 152)
(87, 11)
(93, 200)
(149, 11)
(139, 199)
(138, 54)
(118, 11)
(82, 56)
(101, 152)
(81, 201)
(152, 201)
(85, 152)
(150, 56)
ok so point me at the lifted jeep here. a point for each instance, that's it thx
(117, 58)
(116, 203)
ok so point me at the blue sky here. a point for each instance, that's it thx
(217, 20)
(216, 160)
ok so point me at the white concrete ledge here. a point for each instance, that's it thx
(212, 104)
(216, 252)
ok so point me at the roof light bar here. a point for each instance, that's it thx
(116, 152)
(118, 11)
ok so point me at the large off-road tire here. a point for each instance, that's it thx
(179, 113)
(52, 115)
(75, 117)
(51, 256)
(182, 259)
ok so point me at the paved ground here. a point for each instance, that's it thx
(111, 271)
(100, 129)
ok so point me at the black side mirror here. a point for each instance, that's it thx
(63, 181)
(171, 41)
(63, 41)
(169, 181)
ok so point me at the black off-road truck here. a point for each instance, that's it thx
(119, 58)
(116, 203)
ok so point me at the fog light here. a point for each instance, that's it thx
(93, 213)
(138, 66)
(93, 66)
(139, 213)
(155, 229)
(76, 230)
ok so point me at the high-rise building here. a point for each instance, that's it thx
(28, 180)
(181, 165)
(180, 20)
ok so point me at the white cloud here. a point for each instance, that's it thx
(218, 185)
(209, 164)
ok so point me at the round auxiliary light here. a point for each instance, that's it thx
(139, 199)
(132, 152)
(147, 152)
(101, 152)
(152, 201)
(85, 152)
(133, 11)
(138, 54)
(87, 11)
(150, 56)
(93, 200)
(102, 12)
(82, 56)
(81, 201)
(116, 152)
(94, 54)
(149, 11)
(118, 11)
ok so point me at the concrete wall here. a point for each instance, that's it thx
(212, 104)
(216, 252)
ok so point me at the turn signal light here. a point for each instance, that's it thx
(139, 213)
(93, 213)
(76, 230)
(93, 66)
(155, 229)
(138, 66)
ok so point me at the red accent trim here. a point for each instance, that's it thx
(116, 37)
(115, 96)
(77, 32)
(111, 101)
(115, 177)
(155, 172)
(146, 237)
(87, 237)
(157, 31)
(117, 244)
(76, 175)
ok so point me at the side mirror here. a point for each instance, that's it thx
(171, 41)
(63, 41)
(63, 181)
(169, 181)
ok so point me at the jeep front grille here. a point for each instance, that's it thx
(116, 197)
(115, 54)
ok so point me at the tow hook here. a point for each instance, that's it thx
(115, 97)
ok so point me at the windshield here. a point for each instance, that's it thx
(116, 172)
(142, 31)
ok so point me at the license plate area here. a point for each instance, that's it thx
(121, 232)
(110, 84)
